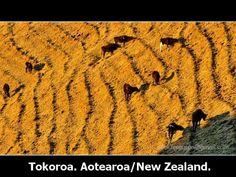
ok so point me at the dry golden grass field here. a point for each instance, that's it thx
(73, 101)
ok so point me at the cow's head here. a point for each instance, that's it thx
(135, 89)
(204, 116)
(117, 46)
(180, 127)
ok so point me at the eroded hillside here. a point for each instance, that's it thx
(73, 101)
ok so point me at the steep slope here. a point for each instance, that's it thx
(74, 102)
(218, 137)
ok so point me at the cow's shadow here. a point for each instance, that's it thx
(39, 66)
(144, 87)
(183, 42)
(18, 89)
(167, 79)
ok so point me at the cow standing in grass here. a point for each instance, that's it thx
(123, 39)
(168, 41)
(128, 90)
(6, 89)
(109, 48)
(156, 77)
(172, 128)
(28, 67)
(197, 116)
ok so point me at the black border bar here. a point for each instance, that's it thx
(20, 165)
(122, 10)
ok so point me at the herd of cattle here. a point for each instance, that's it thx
(127, 88)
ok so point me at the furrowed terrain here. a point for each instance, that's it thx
(73, 102)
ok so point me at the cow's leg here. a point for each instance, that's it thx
(104, 53)
(168, 136)
(157, 81)
(194, 126)
(126, 96)
(171, 136)
(154, 82)
(7, 93)
(129, 95)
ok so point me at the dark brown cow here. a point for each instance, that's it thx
(123, 39)
(172, 128)
(28, 67)
(109, 48)
(128, 90)
(168, 41)
(196, 118)
(6, 89)
(156, 77)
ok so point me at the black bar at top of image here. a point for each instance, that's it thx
(141, 10)
(20, 165)
(116, 17)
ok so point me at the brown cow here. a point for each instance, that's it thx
(168, 41)
(109, 48)
(172, 128)
(6, 89)
(123, 39)
(28, 67)
(196, 118)
(156, 77)
(128, 90)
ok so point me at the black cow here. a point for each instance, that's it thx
(196, 118)
(156, 77)
(128, 90)
(172, 128)
(6, 89)
(109, 48)
(168, 41)
(28, 67)
(123, 39)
